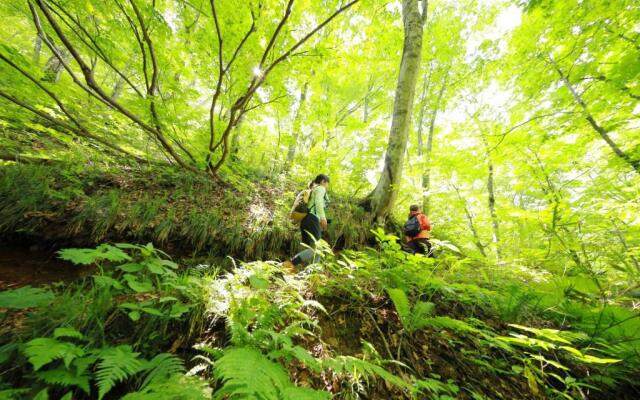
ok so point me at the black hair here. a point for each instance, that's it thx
(414, 207)
(321, 178)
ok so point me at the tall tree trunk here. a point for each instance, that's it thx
(604, 134)
(117, 89)
(235, 141)
(291, 153)
(37, 47)
(54, 66)
(472, 225)
(495, 224)
(365, 110)
(382, 198)
(423, 108)
(555, 197)
(625, 246)
(426, 175)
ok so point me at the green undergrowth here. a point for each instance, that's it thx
(371, 324)
(245, 217)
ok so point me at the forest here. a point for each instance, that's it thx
(472, 230)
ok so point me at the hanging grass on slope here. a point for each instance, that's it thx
(174, 209)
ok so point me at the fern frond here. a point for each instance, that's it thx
(162, 366)
(65, 378)
(174, 387)
(245, 372)
(67, 332)
(42, 351)
(420, 312)
(401, 302)
(355, 366)
(298, 393)
(26, 297)
(116, 365)
(435, 386)
(448, 323)
(11, 394)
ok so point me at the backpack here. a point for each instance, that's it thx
(412, 227)
(300, 207)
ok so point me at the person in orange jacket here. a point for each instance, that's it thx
(416, 231)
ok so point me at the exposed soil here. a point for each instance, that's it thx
(22, 265)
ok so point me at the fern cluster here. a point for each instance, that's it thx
(65, 361)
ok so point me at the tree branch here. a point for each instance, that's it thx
(94, 45)
(216, 94)
(80, 131)
(56, 52)
(143, 53)
(272, 41)
(91, 82)
(238, 109)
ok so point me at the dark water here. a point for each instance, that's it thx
(21, 266)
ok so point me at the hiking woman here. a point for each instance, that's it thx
(315, 221)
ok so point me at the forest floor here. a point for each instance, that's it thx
(373, 323)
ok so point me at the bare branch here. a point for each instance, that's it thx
(56, 52)
(221, 72)
(136, 33)
(242, 42)
(93, 45)
(238, 109)
(153, 86)
(504, 134)
(79, 131)
(91, 82)
(272, 41)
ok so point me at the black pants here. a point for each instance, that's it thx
(420, 246)
(310, 229)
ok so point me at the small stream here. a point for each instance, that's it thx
(22, 266)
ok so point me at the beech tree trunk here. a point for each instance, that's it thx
(382, 198)
(495, 224)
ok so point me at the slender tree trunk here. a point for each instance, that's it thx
(426, 175)
(382, 198)
(37, 48)
(604, 134)
(423, 108)
(472, 225)
(291, 153)
(495, 224)
(555, 197)
(365, 110)
(235, 142)
(117, 89)
(54, 66)
(625, 246)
